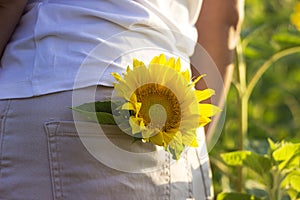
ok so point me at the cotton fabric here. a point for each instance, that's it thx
(54, 38)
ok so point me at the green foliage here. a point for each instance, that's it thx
(97, 111)
(261, 164)
(278, 170)
(273, 106)
(236, 196)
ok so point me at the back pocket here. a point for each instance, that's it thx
(89, 161)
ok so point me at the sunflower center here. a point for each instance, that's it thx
(158, 116)
(160, 107)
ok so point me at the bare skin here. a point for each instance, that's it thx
(10, 13)
(218, 26)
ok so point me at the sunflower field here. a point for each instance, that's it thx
(264, 162)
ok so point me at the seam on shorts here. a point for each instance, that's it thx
(168, 175)
(202, 176)
(203, 180)
(189, 175)
(2, 131)
(51, 129)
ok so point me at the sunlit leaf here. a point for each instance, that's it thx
(236, 196)
(292, 193)
(292, 180)
(288, 155)
(258, 163)
(272, 145)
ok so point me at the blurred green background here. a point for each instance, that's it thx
(274, 106)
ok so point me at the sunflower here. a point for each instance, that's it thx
(164, 104)
(295, 16)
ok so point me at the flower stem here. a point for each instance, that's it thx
(266, 66)
(243, 109)
(275, 192)
(244, 93)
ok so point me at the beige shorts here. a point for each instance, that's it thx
(43, 157)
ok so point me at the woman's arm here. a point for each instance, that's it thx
(10, 12)
(218, 29)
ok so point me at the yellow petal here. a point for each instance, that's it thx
(137, 108)
(171, 62)
(177, 140)
(162, 59)
(297, 7)
(295, 19)
(203, 94)
(204, 120)
(168, 137)
(117, 76)
(136, 105)
(137, 63)
(178, 65)
(123, 91)
(142, 125)
(189, 135)
(133, 98)
(128, 69)
(194, 143)
(155, 60)
(197, 79)
(136, 126)
(158, 139)
(186, 75)
(208, 110)
(128, 106)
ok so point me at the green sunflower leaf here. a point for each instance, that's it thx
(292, 193)
(98, 106)
(258, 163)
(96, 111)
(176, 147)
(292, 180)
(288, 155)
(176, 151)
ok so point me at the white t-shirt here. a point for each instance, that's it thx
(65, 44)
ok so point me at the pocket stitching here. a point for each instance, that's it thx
(53, 158)
(68, 128)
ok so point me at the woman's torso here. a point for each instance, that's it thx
(57, 38)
